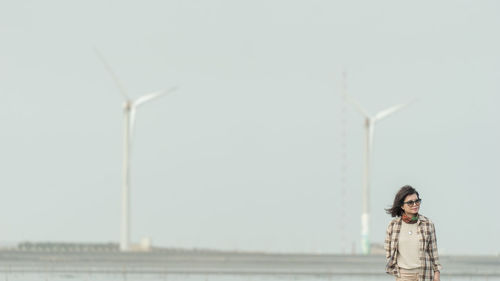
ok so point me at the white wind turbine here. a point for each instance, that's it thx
(129, 108)
(370, 122)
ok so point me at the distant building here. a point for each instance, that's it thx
(144, 246)
(67, 247)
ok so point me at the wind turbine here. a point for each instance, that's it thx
(129, 108)
(370, 121)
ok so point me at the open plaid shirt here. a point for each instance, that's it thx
(429, 259)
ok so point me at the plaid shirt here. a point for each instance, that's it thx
(429, 260)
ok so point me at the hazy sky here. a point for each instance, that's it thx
(246, 155)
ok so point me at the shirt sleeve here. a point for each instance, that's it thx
(433, 251)
(387, 242)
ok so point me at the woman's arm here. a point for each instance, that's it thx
(433, 251)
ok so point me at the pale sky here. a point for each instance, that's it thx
(246, 154)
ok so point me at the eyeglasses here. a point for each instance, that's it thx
(413, 202)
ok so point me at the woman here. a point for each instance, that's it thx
(410, 242)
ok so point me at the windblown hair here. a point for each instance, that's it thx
(396, 210)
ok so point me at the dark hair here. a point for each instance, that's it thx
(395, 210)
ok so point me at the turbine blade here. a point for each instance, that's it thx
(152, 96)
(384, 113)
(131, 122)
(371, 132)
(347, 98)
(118, 83)
(357, 106)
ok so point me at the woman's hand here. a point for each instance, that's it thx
(436, 276)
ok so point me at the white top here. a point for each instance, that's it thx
(408, 246)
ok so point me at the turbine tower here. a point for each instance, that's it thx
(129, 108)
(370, 122)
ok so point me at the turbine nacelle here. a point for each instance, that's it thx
(127, 105)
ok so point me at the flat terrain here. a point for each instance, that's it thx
(213, 262)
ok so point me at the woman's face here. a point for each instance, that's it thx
(411, 209)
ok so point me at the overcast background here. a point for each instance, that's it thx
(247, 154)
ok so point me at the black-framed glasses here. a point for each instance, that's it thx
(413, 202)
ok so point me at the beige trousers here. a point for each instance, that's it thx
(408, 277)
(408, 274)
